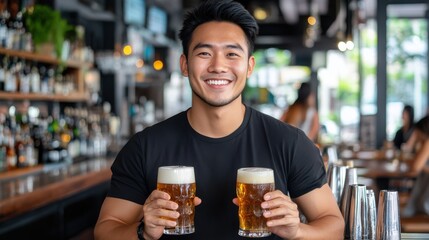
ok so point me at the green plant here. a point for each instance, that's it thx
(46, 26)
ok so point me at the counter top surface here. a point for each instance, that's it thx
(41, 185)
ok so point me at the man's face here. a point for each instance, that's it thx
(218, 63)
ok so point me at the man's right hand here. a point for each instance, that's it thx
(158, 212)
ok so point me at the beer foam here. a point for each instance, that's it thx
(176, 174)
(255, 175)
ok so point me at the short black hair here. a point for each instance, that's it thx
(304, 92)
(215, 10)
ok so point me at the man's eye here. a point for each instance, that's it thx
(233, 55)
(203, 54)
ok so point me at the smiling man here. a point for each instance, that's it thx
(217, 136)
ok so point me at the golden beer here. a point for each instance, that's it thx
(252, 185)
(179, 183)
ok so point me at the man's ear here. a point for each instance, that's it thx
(251, 66)
(184, 65)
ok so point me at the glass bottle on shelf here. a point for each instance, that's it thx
(44, 80)
(20, 149)
(74, 144)
(3, 28)
(18, 74)
(10, 37)
(35, 79)
(10, 80)
(51, 80)
(18, 25)
(3, 148)
(24, 85)
(30, 151)
(2, 74)
(10, 150)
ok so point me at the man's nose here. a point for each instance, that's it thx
(218, 64)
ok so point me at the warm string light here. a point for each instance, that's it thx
(260, 14)
(127, 50)
(139, 63)
(312, 20)
(158, 65)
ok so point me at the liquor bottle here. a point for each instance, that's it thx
(2, 75)
(18, 26)
(20, 149)
(10, 31)
(24, 85)
(51, 80)
(35, 80)
(3, 28)
(10, 80)
(18, 74)
(3, 159)
(30, 151)
(10, 150)
(73, 146)
(44, 82)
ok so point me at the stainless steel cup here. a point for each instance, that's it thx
(336, 179)
(356, 222)
(371, 214)
(351, 178)
(388, 222)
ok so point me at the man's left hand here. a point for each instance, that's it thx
(282, 215)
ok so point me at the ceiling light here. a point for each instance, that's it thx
(311, 20)
(260, 14)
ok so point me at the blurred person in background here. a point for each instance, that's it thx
(404, 133)
(420, 140)
(303, 113)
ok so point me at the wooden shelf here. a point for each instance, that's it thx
(43, 58)
(72, 97)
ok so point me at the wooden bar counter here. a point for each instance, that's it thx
(25, 192)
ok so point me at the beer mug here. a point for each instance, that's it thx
(252, 185)
(179, 183)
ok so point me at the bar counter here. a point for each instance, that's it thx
(68, 195)
(19, 194)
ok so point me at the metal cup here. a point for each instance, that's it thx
(356, 227)
(336, 181)
(371, 214)
(388, 222)
(356, 222)
(351, 178)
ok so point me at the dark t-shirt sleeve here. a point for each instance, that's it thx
(399, 139)
(307, 169)
(128, 180)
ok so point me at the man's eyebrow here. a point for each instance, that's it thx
(207, 45)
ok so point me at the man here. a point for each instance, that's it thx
(217, 136)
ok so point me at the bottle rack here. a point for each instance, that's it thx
(75, 67)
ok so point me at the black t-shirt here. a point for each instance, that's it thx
(260, 141)
(402, 137)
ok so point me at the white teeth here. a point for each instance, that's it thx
(217, 82)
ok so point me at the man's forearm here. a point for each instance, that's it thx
(111, 230)
(328, 227)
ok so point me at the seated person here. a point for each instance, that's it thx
(421, 139)
(302, 113)
(405, 132)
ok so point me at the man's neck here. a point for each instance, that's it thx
(216, 122)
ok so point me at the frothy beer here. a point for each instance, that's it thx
(252, 185)
(179, 183)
